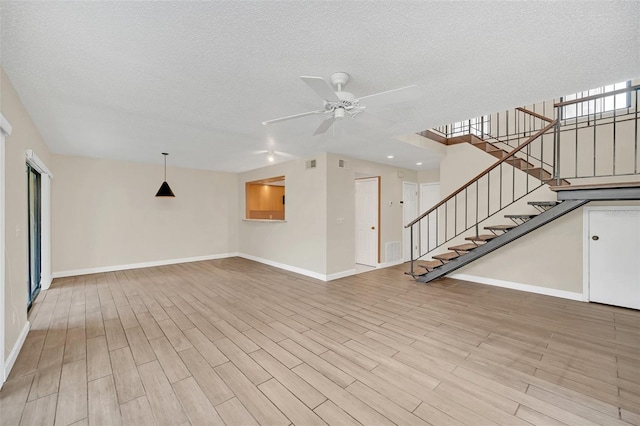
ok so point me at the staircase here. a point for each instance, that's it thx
(463, 222)
(500, 235)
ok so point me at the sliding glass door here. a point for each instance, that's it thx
(35, 233)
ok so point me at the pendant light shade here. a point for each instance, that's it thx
(165, 189)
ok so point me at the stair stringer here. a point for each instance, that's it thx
(512, 235)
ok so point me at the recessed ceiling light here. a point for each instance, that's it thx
(418, 164)
(389, 157)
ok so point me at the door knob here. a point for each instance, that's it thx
(373, 227)
(595, 238)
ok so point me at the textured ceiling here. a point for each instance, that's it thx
(129, 80)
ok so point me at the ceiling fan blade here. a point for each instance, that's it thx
(290, 117)
(321, 87)
(324, 126)
(403, 94)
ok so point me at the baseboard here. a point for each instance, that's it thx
(13, 355)
(284, 266)
(518, 286)
(387, 264)
(301, 271)
(342, 274)
(100, 269)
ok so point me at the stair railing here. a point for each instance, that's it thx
(600, 139)
(477, 200)
(478, 126)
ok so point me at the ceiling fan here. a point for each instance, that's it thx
(339, 104)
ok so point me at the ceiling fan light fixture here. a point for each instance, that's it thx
(271, 157)
(165, 189)
(339, 113)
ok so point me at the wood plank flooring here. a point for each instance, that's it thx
(238, 343)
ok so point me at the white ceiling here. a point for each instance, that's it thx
(129, 80)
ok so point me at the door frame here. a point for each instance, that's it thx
(421, 209)
(5, 130)
(406, 232)
(45, 217)
(585, 243)
(377, 179)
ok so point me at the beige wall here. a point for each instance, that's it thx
(24, 136)
(318, 234)
(341, 204)
(300, 240)
(429, 176)
(549, 257)
(105, 213)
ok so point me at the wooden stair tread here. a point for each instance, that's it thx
(520, 216)
(521, 164)
(446, 256)
(543, 203)
(463, 247)
(429, 265)
(485, 237)
(500, 227)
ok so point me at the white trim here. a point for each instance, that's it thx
(388, 264)
(13, 355)
(5, 129)
(522, 287)
(339, 275)
(406, 232)
(284, 266)
(585, 253)
(45, 231)
(45, 216)
(100, 269)
(34, 161)
(585, 243)
(290, 268)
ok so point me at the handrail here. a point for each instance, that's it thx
(540, 132)
(598, 96)
(535, 114)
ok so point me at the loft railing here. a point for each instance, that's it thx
(594, 145)
(479, 126)
(600, 143)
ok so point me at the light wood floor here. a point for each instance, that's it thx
(236, 342)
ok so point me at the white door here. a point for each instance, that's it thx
(409, 213)
(429, 197)
(614, 257)
(367, 206)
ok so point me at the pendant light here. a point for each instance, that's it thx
(165, 190)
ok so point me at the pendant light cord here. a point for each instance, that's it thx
(165, 165)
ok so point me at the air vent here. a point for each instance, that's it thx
(393, 251)
(342, 164)
(311, 164)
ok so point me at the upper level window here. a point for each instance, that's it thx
(475, 126)
(599, 105)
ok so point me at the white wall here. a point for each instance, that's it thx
(318, 235)
(299, 242)
(341, 204)
(106, 215)
(24, 136)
